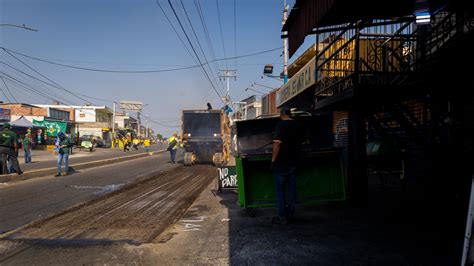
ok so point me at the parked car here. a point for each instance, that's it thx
(103, 143)
(88, 142)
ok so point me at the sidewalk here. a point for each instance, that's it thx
(45, 163)
(215, 230)
(46, 159)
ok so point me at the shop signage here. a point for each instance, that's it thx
(297, 84)
(227, 177)
(52, 127)
(4, 115)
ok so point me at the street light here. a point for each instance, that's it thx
(18, 26)
(268, 71)
(265, 86)
(280, 78)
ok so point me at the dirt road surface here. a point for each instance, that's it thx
(134, 215)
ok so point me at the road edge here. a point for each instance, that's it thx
(79, 166)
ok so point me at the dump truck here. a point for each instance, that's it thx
(204, 136)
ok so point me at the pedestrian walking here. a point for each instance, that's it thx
(173, 147)
(286, 151)
(27, 147)
(63, 144)
(9, 149)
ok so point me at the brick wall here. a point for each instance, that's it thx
(26, 110)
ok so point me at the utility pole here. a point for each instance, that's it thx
(146, 126)
(226, 75)
(285, 43)
(138, 121)
(113, 127)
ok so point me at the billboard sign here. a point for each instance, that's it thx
(4, 115)
(131, 106)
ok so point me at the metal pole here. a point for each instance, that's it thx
(138, 121)
(113, 128)
(285, 44)
(146, 125)
(228, 87)
(468, 233)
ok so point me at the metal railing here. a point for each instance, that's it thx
(369, 48)
(382, 51)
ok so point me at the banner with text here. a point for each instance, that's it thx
(227, 177)
(302, 80)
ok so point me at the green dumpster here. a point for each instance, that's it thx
(320, 176)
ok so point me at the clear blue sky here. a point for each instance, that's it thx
(134, 35)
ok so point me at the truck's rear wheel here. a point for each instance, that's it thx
(217, 159)
(188, 158)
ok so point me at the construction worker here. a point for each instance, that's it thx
(9, 149)
(286, 151)
(135, 142)
(173, 147)
(62, 145)
(146, 144)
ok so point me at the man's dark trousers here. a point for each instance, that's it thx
(285, 175)
(9, 152)
(173, 155)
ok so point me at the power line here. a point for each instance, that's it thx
(194, 50)
(175, 31)
(8, 89)
(141, 71)
(222, 34)
(204, 26)
(163, 124)
(33, 77)
(198, 42)
(47, 89)
(260, 76)
(27, 87)
(235, 34)
(50, 80)
(6, 96)
(178, 35)
(208, 37)
(31, 89)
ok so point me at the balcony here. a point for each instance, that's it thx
(378, 59)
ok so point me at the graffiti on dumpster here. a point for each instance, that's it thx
(227, 177)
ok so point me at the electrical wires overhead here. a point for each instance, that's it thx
(194, 50)
(222, 34)
(140, 71)
(9, 91)
(235, 34)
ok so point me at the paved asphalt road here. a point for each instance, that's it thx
(85, 156)
(24, 202)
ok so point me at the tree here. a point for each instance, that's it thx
(159, 137)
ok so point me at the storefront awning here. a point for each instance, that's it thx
(23, 123)
(309, 14)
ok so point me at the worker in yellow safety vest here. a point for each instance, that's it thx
(146, 144)
(173, 147)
